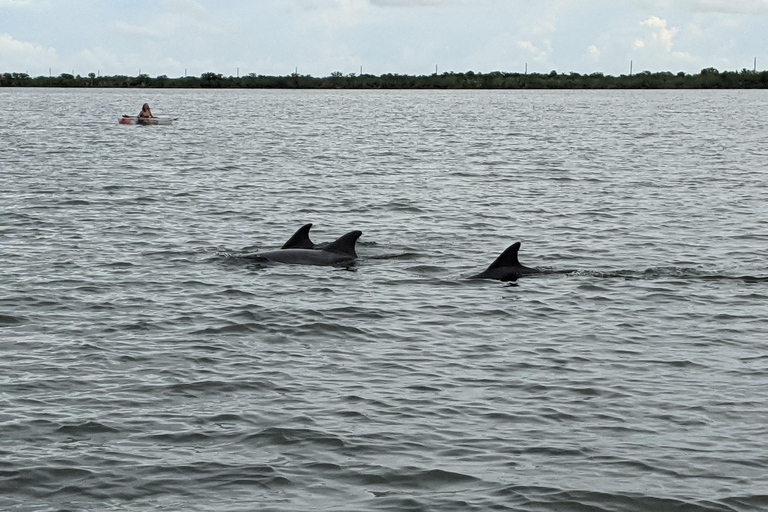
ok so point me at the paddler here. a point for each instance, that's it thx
(145, 112)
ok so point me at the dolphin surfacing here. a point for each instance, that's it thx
(340, 253)
(506, 267)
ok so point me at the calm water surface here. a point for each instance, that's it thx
(146, 365)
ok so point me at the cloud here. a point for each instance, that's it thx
(654, 43)
(21, 56)
(177, 17)
(659, 34)
(404, 36)
(702, 6)
(538, 54)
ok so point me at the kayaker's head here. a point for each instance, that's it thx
(145, 107)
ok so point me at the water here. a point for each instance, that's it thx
(145, 365)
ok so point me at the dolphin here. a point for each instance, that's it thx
(340, 253)
(300, 239)
(506, 267)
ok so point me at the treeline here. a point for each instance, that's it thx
(709, 78)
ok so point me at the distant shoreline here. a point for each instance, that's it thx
(709, 78)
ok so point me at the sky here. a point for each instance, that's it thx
(413, 37)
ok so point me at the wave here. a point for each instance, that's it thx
(685, 273)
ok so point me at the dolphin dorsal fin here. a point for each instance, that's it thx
(345, 244)
(300, 239)
(508, 258)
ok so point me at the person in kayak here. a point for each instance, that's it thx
(145, 112)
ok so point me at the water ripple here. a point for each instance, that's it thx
(148, 364)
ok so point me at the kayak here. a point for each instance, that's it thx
(144, 120)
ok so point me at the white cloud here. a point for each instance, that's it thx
(654, 45)
(21, 56)
(538, 54)
(593, 52)
(659, 33)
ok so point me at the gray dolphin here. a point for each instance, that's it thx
(506, 267)
(300, 239)
(340, 253)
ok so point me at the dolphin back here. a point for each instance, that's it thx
(300, 239)
(344, 245)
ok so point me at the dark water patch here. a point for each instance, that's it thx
(320, 329)
(214, 387)
(403, 256)
(753, 279)
(11, 320)
(353, 415)
(41, 480)
(226, 418)
(416, 478)
(235, 292)
(117, 264)
(293, 436)
(232, 328)
(249, 315)
(137, 326)
(87, 428)
(356, 312)
(675, 363)
(424, 388)
(180, 482)
(402, 207)
(181, 438)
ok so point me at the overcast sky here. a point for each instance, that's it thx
(318, 37)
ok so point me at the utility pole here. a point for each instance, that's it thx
(630, 68)
(526, 68)
(755, 69)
